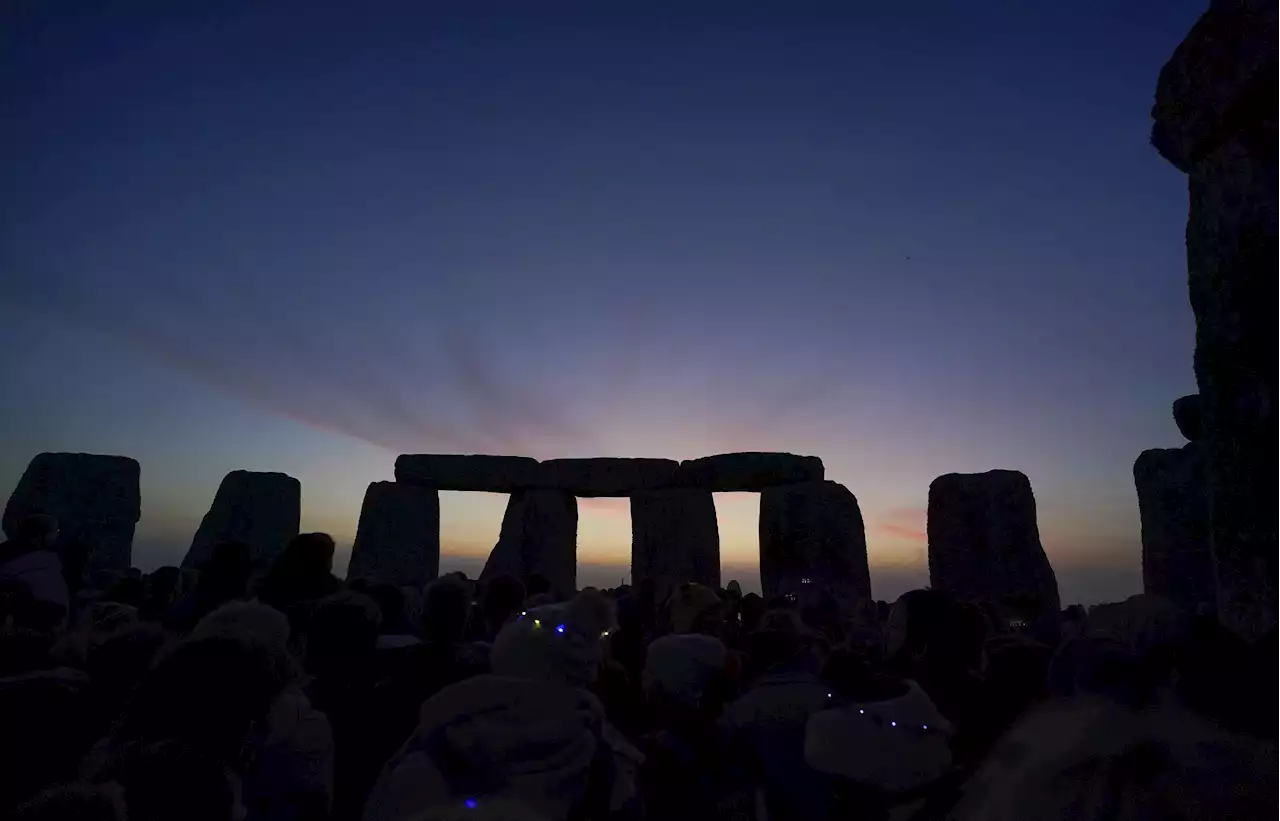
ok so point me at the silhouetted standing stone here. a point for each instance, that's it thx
(1173, 500)
(398, 538)
(984, 543)
(812, 538)
(607, 476)
(727, 472)
(95, 498)
(1215, 120)
(262, 510)
(674, 538)
(539, 535)
(494, 474)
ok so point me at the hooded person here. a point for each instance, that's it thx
(29, 558)
(528, 733)
(231, 689)
(769, 717)
(688, 772)
(880, 739)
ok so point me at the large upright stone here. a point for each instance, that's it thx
(728, 472)
(607, 476)
(398, 538)
(495, 474)
(812, 539)
(95, 498)
(539, 535)
(984, 543)
(262, 510)
(1215, 119)
(1173, 501)
(674, 538)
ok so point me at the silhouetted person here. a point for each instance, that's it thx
(504, 597)
(168, 780)
(223, 578)
(302, 573)
(769, 718)
(391, 604)
(688, 771)
(342, 636)
(937, 642)
(536, 585)
(162, 589)
(29, 558)
(422, 670)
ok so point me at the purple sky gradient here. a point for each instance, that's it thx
(303, 237)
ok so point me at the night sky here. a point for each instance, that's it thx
(911, 239)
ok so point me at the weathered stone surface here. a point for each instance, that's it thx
(1173, 501)
(674, 538)
(607, 476)
(95, 498)
(727, 472)
(495, 474)
(262, 510)
(984, 543)
(1215, 119)
(539, 535)
(812, 539)
(398, 538)
(1217, 66)
(1188, 414)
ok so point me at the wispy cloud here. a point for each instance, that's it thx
(907, 523)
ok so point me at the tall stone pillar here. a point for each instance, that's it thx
(96, 500)
(1173, 502)
(984, 542)
(674, 538)
(398, 538)
(1215, 120)
(539, 535)
(263, 510)
(812, 538)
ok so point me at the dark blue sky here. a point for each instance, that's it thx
(911, 239)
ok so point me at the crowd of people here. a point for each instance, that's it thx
(286, 694)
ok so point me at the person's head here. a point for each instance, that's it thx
(680, 670)
(751, 611)
(342, 633)
(226, 574)
(561, 643)
(446, 607)
(695, 608)
(252, 624)
(206, 694)
(503, 596)
(309, 553)
(930, 626)
(780, 638)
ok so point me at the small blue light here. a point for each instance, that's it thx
(862, 712)
(829, 695)
(559, 628)
(893, 724)
(924, 726)
(470, 803)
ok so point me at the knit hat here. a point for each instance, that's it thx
(555, 643)
(679, 667)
